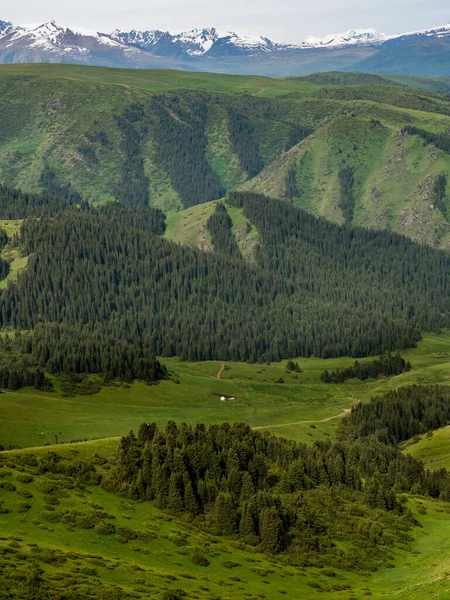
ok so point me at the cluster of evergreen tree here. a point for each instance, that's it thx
(297, 133)
(244, 144)
(4, 265)
(15, 204)
(18, 371)
(292, 190)
(50, 187)
(347, 200)
(440, 193)
(178, 131)
(88, 152)
(15, 376)
(99, 137)
(440, 140)
(220, 227)
(261, 489)
(61, 349)
(139, 218)
(134, 284)
(133, 188)
(400, 414)
(387, 365)
(293, 366)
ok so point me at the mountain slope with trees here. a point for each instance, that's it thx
(308, 289)
(175, 140)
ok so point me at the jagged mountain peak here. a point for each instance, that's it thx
(5, 26)
(195, 42)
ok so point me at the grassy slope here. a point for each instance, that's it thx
(189, 227)
(430, 84)
(13, 256)
(47, 110)
(394, 174)
(154, 80)
(144, 567)
(161, 562)
(433, 448)
(32, 418)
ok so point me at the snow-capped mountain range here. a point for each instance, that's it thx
(196, 43)
(52, 42)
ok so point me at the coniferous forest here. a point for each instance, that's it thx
(123, 279)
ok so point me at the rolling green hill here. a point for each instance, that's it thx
(394, 174)
(175, 140)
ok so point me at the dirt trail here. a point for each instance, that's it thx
(221, 370)
(345, 412)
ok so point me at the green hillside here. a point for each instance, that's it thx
(174, 140)
(431, 84)
(394, 174)
(66, 534)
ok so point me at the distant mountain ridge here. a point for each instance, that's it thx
(225, 51)
(196, 43)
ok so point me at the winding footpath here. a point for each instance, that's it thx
(345, 412)
(221, 370)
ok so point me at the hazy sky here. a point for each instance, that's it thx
(283, 20)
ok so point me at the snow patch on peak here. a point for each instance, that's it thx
(198, 41)
(5, 27)
(51, 35)
(443, 31)
(353, 37)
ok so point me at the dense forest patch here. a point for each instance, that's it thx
(309, 284)
(277, 495)
(386, 365)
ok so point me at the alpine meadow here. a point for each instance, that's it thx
(224, 332)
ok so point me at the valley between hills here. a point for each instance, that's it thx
(224, 335)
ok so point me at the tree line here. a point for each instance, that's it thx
(178, 131)
(61, 349)
(360, 275)
(243, 142)
(440, 140)
(15, 204)
(66, 351)
(18, 370)
(133, 186)
(440, 194)
(346, 179)
(387, 365)
(399, 415)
